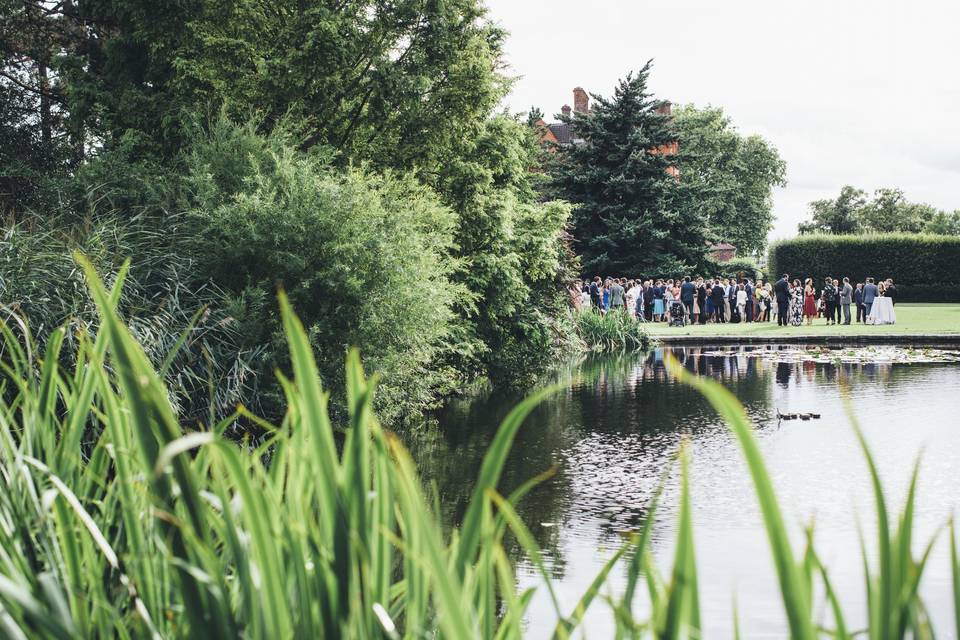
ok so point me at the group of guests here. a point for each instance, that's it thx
(722, 300)
(695, 301)
(796, 302)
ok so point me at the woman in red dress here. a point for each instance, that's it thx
(809, 302)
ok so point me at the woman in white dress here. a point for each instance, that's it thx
(632, 292)
(742, 302)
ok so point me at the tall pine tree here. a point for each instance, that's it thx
(626, 221)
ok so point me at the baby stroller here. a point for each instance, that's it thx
(678, 314)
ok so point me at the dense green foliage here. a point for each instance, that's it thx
(726, 177)
(39, 281)
(925, 268)
(370, 176)
(515, 253)
(365, 259)
(119, 523)
(629, 216)
(888, 211)
(400, 83)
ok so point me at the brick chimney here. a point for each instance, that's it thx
(565, 110)
(665, 108)
(581, 101)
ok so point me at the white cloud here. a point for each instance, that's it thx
(862, 92)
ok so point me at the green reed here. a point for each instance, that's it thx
(612, 331)
(117, 521)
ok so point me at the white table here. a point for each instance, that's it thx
(882, 312)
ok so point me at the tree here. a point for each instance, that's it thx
(836, 216)
(943, 223)
(515, 259)
(38, 139)
(888, 211)
(727, 177)
(627, 219)
(534, 116)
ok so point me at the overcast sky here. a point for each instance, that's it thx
(849, 91)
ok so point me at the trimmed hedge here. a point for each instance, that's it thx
(925, 268)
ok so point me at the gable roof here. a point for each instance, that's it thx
(562, 131)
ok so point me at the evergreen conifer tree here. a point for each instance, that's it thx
(616, 172)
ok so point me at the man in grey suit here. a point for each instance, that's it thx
(846, 297)
(870, 292)
(616, 296)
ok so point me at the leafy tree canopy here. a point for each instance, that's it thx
(397, 84)
(888, 211)
(728, 178)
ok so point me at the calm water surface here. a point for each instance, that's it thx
(614, 429)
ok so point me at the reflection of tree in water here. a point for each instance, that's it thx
(449, 457)
(612, 431)
(633, 416)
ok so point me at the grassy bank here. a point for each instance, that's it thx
(117, 522)
(912, 319)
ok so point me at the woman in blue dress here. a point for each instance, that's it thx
(658, 306)
(606, 296)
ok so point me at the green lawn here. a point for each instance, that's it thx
(911, 319)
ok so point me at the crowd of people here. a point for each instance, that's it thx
(721, 300)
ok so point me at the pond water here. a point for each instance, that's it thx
(616, 425)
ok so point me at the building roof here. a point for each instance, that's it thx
(562, 131)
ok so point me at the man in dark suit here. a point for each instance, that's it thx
(748, 288)
(858, 299)
(648, 300)
(702, 301)
(717, 295)
(688, 292)
(891, 291)
(596, 301)
(870, 293)
(782, 291)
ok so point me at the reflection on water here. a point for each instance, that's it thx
(614, 429)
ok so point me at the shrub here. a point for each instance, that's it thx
(40, 282)
(364, 259)
(925, 268)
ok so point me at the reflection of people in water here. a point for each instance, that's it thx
(783, 373)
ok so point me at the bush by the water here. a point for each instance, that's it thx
(925, 268)
(117, 522)
(613, 331)
(188, 328)
(364, 259)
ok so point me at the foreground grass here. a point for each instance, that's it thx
(912, 319)
(116, 522)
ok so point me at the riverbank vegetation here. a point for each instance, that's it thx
(381, 189)
(122, 521)
(612, 331)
